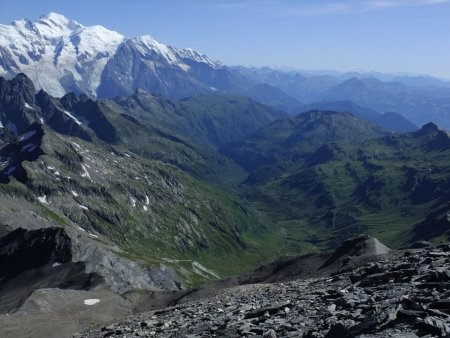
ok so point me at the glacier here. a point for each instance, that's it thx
(60, 55)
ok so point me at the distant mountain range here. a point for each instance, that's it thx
(420, 99)
(61, 55)
(389, 121)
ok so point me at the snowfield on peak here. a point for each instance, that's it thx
(61, 55)
(53, 47)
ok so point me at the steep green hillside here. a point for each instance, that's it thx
(152, 211)
(209, 120)
(396, 188)
(122, 177)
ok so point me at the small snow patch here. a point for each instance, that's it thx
(74, 194)
(28, 106)
(56, 264)
(133, 202)
(77, 145)
(80, 228)
(83, 207)
(85, 173)
(43, 199)
(127, 155)
(91, 301)
(27, 135)
(72, 117)
(200, 269)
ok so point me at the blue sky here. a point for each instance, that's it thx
(380, 35)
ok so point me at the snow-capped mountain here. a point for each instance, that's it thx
(60, 55)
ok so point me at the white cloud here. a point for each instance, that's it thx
(318, 7)
(381, 4)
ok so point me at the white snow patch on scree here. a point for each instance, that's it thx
(91, 301)
(43, 199)
(28, 106)
(56, 264)
(147, 202)
(84, 207)
(85, 173)
(72, 117)
(77, 145)
(74, 194)
(1, 124)
(133, 202)
(201, 269)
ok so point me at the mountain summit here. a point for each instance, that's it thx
(61, 55)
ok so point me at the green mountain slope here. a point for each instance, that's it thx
(396, 188)
(153, 212)
(209, 120)
(125, 180)
(286, 139)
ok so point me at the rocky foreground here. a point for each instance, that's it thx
(402, 294)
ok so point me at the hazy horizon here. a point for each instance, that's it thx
(386, 36)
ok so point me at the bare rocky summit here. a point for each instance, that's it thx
(396, 294)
